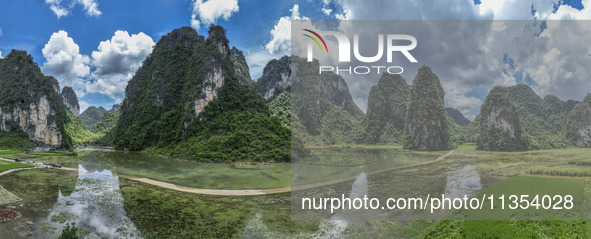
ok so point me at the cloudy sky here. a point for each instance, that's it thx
(95, 46)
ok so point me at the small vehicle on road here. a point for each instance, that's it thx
(18, 160)
(56, 165)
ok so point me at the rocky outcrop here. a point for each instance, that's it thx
(182, 75)
(70, 100)
(426, 121)
(241, 67)
(500, 129)
(30, 101)
(320, 106)
(115, 107)
(386, 110)
(578, 130)
(276, 77)
(457, 116)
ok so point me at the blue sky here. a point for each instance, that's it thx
(76, 29)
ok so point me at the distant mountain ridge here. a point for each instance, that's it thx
(92, 115)
(457, 116)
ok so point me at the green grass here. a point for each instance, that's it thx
(510, 229)
(65, 153)
(5, 166)
(560, 171)
(8, 151)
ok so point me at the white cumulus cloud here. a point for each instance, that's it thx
(281, 32)
(64, 61)
(208, 12)
(62, 8)
(116, 60)
(566, 12)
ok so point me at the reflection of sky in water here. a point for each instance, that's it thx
(96, 206)
(463, 181)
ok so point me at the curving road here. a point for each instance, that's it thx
(227, 192)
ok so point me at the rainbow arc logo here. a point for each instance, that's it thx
(314, 39)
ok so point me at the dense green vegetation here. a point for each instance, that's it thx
(500, 128)
(510, 229)
(280, 106)
(386, 110)
(323, 111)
(542, 119)
(16, 140)
(158, 114)
(105, 128)
(69, 232)
(236, 126)
(77, 131)
(91, 116)
(426, 120)
(561, 171)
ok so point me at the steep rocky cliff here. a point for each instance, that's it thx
(320, 106)
(386, 110)
(578, 129)
(426, 121)
(70, 100)
(30, 101)
(500, 128)
(276, 77)
(241, 67)
(189, 99)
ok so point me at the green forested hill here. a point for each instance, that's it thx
(543, 119)
(318, 108)
(386, 110)
(323, 111)
(105, 128)
(187, 102)
(91, 116)
(427, 122)
(280, 106)
(500, 124)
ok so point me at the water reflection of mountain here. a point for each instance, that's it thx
(96, 206)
